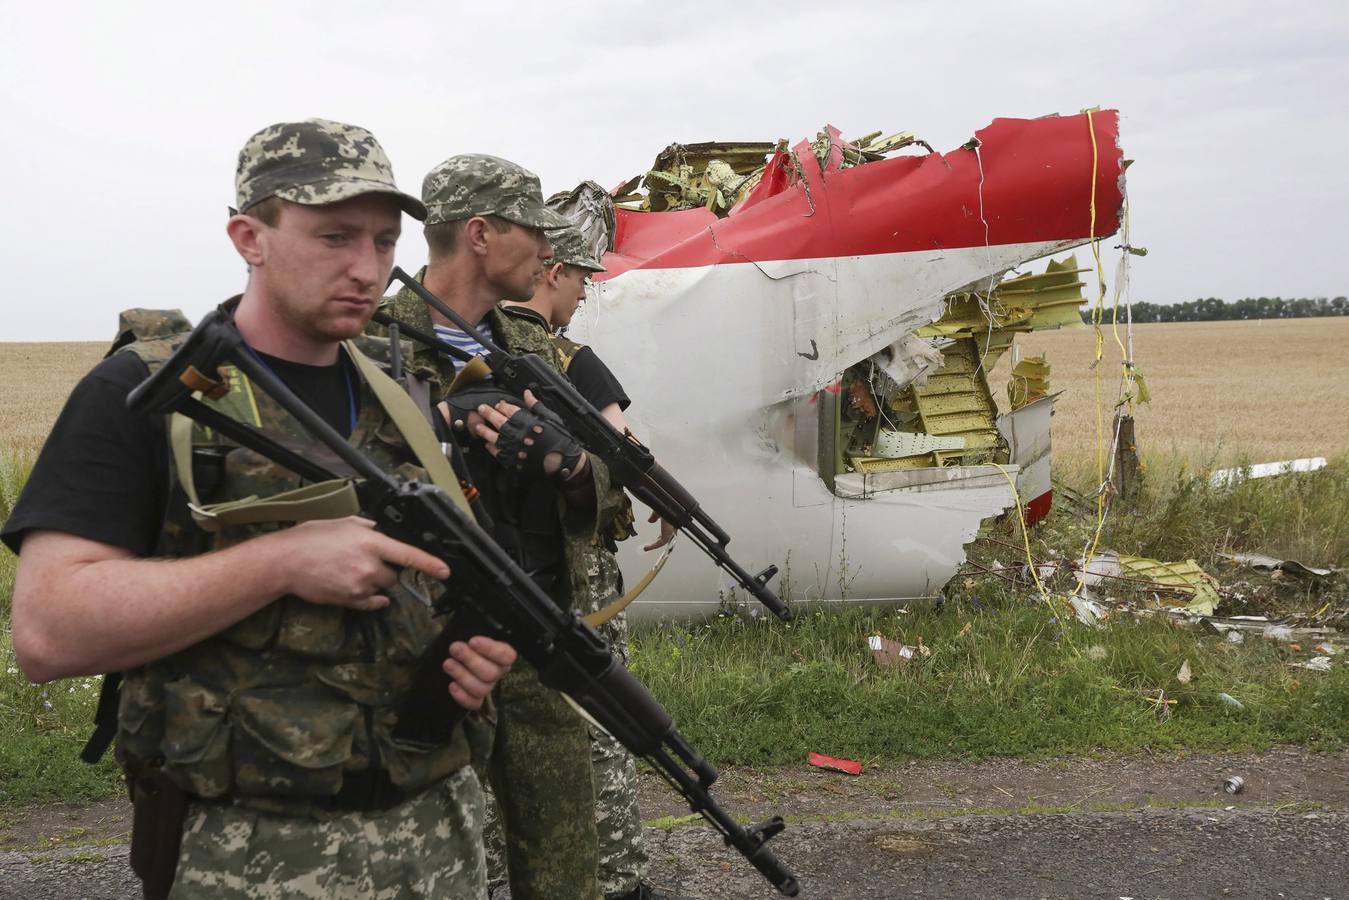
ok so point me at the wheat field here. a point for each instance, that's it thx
(1221, 391)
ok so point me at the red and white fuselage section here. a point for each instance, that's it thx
(729, 333)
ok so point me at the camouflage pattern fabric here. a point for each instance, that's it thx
(425, 847)
(314, 162)
(618, 820)
(569, 247)
(275, 710)
(475, 184)
(540, 764)
(543, 825)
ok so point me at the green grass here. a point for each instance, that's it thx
(1007, 675)
(1019, 681)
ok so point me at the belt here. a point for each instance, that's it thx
(369, 790)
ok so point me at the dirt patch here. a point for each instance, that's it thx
(1285, 776)
(1104, 783)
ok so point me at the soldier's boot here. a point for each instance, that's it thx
(644, 891)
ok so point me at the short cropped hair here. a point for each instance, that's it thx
(268, 211)
(443, 237)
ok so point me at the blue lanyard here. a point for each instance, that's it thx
(346, 376)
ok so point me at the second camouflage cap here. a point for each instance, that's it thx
(475, 184)
(569, 246)
(314, 162)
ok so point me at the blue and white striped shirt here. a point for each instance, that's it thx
(463, 341)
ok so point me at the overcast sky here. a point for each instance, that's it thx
(122, 121)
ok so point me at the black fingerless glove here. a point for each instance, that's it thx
(546, 433)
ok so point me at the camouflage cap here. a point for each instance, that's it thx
(475, 184)
(569, 246)
(316, 162)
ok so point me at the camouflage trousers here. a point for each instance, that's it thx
(540, 824)
(623, 860)
(426, 847)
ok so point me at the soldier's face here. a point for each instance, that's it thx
(572, 283)
(325, 267)
(513, 263)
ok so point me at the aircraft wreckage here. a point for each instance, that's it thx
(807, 333)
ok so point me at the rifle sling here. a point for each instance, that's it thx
(327, 499)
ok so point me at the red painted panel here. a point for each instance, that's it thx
(1038, 509)
(1036, 176)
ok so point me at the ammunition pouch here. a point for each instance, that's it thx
(159, 807)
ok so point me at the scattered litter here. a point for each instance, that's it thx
(1316, 664)
(1224, 477)
(1261, 625)
(1089, 612)
(846, 766)
(1326, 647)
(1231, 701)
(887, 652)
(1269, 564)
(1183, 676)
(1235, 637)
(1234, 784)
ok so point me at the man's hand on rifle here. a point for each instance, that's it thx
(475, 667)
(346, 562)
(489, 423)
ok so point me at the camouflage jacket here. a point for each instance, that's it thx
(581, 529)
(279, 708)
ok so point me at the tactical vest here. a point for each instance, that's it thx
(579, 530)
(284, 706)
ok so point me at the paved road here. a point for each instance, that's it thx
(1109, 828)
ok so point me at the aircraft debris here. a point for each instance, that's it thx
(1315, 664)
(1226, 477)
(1183, 580)
(1231, 701)
(833, 764)
(852, 295)
(1264, 563)
(1234, 784)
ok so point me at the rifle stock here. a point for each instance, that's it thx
(493, 594)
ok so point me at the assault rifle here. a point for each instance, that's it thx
(490, 594)
(631, 464)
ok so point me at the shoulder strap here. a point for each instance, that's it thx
(412, 425)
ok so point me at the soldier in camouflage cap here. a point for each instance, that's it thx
(623, 860)
(562, 286)
(260, 663)
(313, 163)
(486, 242)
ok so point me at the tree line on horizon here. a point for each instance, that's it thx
(1214, 309)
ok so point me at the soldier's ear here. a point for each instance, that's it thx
(476, 235)
(245, 232)
(552, 273)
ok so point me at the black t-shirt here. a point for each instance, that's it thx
(104, 472)
(594, 381)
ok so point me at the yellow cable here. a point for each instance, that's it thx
(1025, 534)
